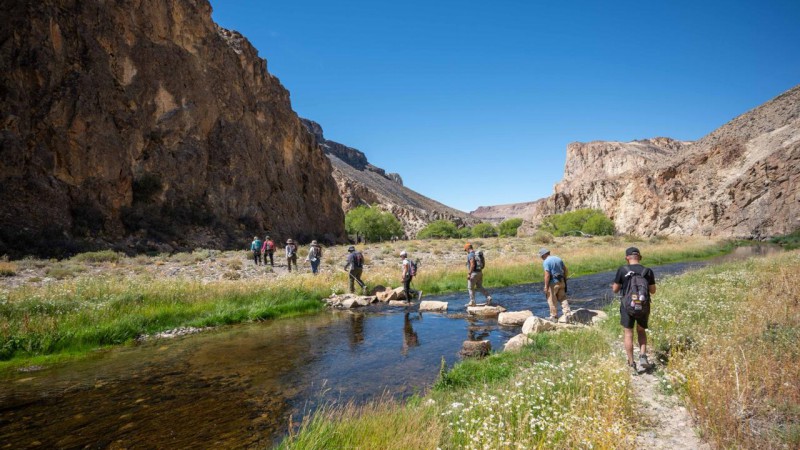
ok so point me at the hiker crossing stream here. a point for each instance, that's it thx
(241, 385)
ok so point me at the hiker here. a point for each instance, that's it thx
(255, 246)
(555, 283)
(268, 250)
(627, 279)
(475, 276)
(355, 262)
(291, 254)
(409, 271)
(314, 256)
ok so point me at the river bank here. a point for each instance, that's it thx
(736, 369)
(53, 310)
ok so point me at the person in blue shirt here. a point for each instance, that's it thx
(555, 283)
(255, 246)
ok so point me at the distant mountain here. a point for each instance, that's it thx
(740, 181)
(361, 183)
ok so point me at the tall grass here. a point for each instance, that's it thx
(731, 336)
(563, 391)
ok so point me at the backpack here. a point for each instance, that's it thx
(480, 261)
(636, 298)
(270, 246)
(358, 260)
(412, 268)
(292, 250)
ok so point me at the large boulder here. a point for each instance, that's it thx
(535, 324)
(513, 318)
(517, 342)
(391, 294)
(475, 349)
(485, 311)
(585, 316)
(430, 305)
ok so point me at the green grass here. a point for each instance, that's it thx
(790, 241)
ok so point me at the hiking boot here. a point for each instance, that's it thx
(472, 303)
(644, 363)
(488, 300)
(634, 370)
(553, 319)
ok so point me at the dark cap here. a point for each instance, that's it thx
(632, 251)
(351, 249)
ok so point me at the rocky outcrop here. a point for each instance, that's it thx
(741, 181)
(361, 183)
(142, 124)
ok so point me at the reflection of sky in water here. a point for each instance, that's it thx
(237, 385)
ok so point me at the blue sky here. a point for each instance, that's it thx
(473, 103)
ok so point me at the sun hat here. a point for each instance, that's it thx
(351, 249)
(289, 241)
(467, 246)
(403, 253)
(314, 242)
(630, 251)
(543, 251)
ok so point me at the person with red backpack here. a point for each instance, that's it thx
(637, 284)
(268, 249)
(355, 262)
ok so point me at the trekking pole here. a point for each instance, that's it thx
(360, 283)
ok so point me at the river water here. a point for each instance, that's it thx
(243, 385)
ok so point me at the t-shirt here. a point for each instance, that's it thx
(554, 265)
(623, 281)
(406, 269)
(352, 260)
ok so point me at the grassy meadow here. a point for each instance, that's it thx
(94, 300)
(727, 338)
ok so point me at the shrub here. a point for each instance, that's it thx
(7, 269)
(441, 229)
(97, 257)
(484, 230)
(543, 237)
(789, 242)
(508, 228)
(581, 221)
(372, 223)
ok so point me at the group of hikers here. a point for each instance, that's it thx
(634, 281)
(266, 248)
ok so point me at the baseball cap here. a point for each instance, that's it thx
(543, 251)
(403, 253)
(632, 251)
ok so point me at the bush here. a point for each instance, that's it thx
(579, 222)
(7, 269)
(508, 228)
(97, 257)
(441, 229)
(484, 230)
(789, 242)
(543, 237)
(372, 223)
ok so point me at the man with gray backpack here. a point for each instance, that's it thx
(475, 265)
(637, 284)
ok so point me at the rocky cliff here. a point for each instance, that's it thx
(361, 183)
(740, 181)
(142, 124)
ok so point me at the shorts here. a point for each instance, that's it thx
(627, 321)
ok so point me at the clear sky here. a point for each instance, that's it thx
(474, 102)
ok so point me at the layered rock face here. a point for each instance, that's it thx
(361, 183)
(741, 181)
(141, 123)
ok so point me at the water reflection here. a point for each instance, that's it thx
(410, 337)
(356, 328)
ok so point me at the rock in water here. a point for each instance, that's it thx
(475, 349)
(513, 318)
(430, 305)
(488, 311)
(144, 124)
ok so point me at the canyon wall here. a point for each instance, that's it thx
(142, 125)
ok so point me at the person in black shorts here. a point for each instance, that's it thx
(633, 256)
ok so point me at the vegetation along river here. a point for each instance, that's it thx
(241, 386)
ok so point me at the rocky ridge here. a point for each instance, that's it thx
(144, 125)
(740, 181)
(361, 183)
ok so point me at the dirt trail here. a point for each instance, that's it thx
(668, 423)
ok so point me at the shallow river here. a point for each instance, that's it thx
(241, 386)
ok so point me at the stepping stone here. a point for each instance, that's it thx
(475, 349)
(430, 305)
(513, 318)
(486, 311)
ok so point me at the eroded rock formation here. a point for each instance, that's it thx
(740, 181)
(141, 124)
(361, 183)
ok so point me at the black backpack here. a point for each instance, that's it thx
(636, 297)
